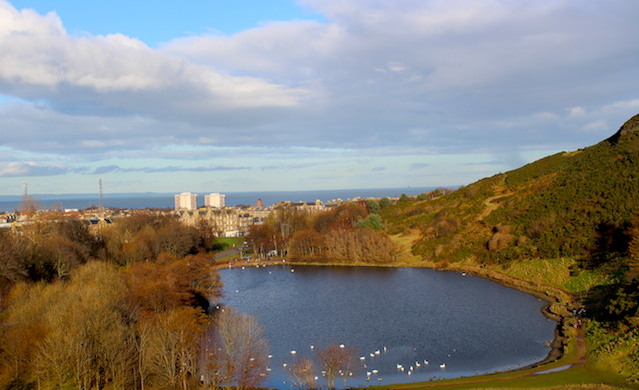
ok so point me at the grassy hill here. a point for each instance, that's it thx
(570, 221)
(578, 204)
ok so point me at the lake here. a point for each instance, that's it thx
(409, 315)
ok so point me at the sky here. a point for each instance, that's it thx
(253, 95)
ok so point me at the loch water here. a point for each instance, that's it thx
(407, 315)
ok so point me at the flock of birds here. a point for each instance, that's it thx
(369, 358)
(409, 370)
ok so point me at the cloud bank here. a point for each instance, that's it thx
(376, 76)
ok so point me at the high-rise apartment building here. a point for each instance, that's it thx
(215, 200)
(186, 201)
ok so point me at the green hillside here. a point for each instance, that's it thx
(578, 204)
(569, 221)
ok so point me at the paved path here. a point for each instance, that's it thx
(234, 251)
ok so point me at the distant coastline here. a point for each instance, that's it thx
(9, 203)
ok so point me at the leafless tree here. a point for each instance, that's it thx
(302, 374)
(238, 352)
(171, 341)
(336, 360)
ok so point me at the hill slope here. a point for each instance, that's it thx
(570, 220)
(578, 204)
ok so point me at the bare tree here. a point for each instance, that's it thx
(238, 352)
(337, 360)
(170, 346)
(302, 374)
(29, 205)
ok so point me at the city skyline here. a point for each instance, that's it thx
(304, 95)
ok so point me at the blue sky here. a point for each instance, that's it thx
(161, 21)
(215, 96)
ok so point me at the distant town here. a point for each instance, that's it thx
(225, 221)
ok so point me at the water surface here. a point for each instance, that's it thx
(409, 315)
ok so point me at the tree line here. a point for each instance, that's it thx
(349, 233)
(125, 307)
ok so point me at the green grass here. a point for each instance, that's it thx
(554, 273)
(222, 243)
(577, 375)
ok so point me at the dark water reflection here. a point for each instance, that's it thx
(469, 324)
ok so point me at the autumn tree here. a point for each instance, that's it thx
(306, 244)
(170, 282)
(12, 266)
(170, 347)
(72, 332)
(262, 238)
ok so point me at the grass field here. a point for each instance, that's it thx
(584, 376)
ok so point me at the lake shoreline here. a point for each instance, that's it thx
(557, 308)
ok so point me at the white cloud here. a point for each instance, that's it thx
(625, 105)
(30, 168)
(385, 77)
(40, 60)
(599, 125)
(576, 111)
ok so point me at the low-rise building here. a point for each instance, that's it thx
(227, 221)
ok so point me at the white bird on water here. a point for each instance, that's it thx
(443, 365)
(293, 352)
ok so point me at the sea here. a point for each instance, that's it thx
(10, 203)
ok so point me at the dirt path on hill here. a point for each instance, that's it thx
(490, 206)
(580, 345)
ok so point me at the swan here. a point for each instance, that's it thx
(443, 365)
